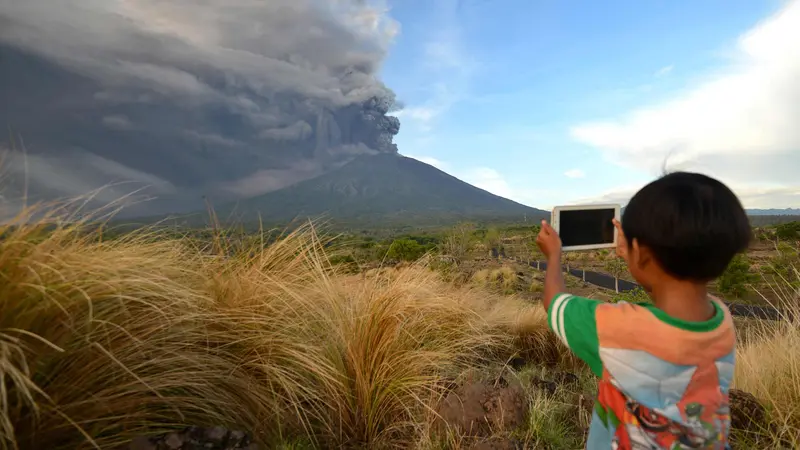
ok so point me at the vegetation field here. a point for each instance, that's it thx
(305, 341)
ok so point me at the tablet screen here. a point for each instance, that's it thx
(586, 227)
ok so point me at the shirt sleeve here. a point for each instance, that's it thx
(572, 319)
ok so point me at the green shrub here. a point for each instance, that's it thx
(737, 277)
(458, 242)
(342, 259)
(616, 267)
(405, 250)
(636, 295)
(785, 264)
(788, 231)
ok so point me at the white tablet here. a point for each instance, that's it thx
(586, 227)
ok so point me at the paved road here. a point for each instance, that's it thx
(607, 281)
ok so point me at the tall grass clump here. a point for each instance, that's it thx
(102, 340)
(768, 363)
(503, 278)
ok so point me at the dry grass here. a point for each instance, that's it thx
(768, 363)
(102, 340)
(503, 278)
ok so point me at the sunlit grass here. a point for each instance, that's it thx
(102, 340)
(768, 363)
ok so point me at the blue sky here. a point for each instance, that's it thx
(554, 102)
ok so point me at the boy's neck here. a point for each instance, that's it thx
(684, 300)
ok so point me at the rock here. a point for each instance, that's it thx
(237, 436)
(216, 435)
(517, 363)
(195, 438)
(566, 378)
(548, 386)
(142, 443)
(747, 413)
(173, 441)
(480, 408)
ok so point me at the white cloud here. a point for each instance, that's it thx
(740, 125)
(422, 114)
(489, 180)
(445, 66)
(118, 122)
(751, 196)
(664, 71)
(493, 181)
(429, 160)
(575, 173)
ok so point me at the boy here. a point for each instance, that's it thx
(664, 368)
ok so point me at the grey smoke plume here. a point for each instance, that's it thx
(192, 96)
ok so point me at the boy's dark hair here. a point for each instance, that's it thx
(693, 224)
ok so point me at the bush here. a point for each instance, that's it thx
(789, 231)
(458, 242)
(346, 261)
(616, 267)
(405, 250)
(493, 238)
(636, 295)
(785, 264)
(737, 277)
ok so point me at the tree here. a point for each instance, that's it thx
(583, 259)
(636, 295)
(458, 242)
(535, 253)
(785, 265)
(737, 277)
(492, 240)
(567, 258)
(789, 231)
(405, 250)
(616, 267)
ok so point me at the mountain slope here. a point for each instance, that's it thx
(385, 189)
(774, 212)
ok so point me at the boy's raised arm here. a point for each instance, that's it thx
(573, 319)
(553, 282)
(550, 244)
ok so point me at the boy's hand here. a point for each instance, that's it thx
(549, 242)
(622, 241)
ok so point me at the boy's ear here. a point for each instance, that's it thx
(641, 254)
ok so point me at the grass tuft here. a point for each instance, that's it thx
(102, 340)
(105, 339)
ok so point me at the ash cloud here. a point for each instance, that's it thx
(192, 97)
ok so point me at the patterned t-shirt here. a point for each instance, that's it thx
(663, 381)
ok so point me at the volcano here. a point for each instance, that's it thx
(384, 189)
